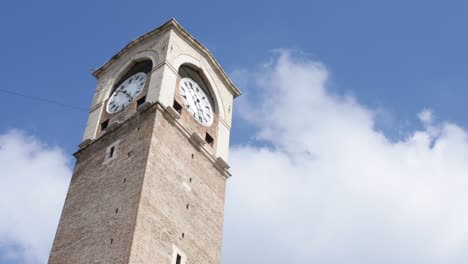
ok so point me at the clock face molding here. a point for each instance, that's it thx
(126, 93)
(196, 101)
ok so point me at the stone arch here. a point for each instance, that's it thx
(149, 55)
(198, 65)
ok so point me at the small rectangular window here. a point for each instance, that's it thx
(141, 101)
(209, 139)
(179, 259)
(177, 107)
(111, 152)
(104, 125)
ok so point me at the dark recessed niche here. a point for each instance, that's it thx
(142, 66)
(178, 259)
(112, 240)
(111, 152)
(177, 107)
(141, 101)
(104, 125)
(125, 180)
(209, 139)
(183, 235)
(116, 210)
(187, 206)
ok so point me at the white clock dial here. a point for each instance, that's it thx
(126, 93)
(196, 101)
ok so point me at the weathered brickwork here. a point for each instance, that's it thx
(90, 219)
(178, 175)
(162, 186)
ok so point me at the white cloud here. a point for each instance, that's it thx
(426, 116)
(34, 180)
(330, 188)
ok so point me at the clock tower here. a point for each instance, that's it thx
(151, 171)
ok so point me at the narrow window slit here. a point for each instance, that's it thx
(104, 125)
(141, 101)
(111, 152)
(177, 107)
(209, 139)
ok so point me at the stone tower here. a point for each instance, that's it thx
(151, 171)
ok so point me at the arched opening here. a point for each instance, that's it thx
(140, 66)
(187, 71)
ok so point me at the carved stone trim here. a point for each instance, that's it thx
(196, 140)
(173, 112)
(85, 143)
(144, 106)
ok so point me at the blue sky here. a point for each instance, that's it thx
(394, 58)
(397, 55)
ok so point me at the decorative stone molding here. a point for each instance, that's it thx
(173, 112)
(144, 106)
(112, 126)
(95, 107)
(196, 140)
(85, 143)
(222, 166)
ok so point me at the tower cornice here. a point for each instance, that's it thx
(171, 114)
(174, 25)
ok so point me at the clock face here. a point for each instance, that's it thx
(126, 93)
(196, 101)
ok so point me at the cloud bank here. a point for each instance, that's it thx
(34, 181)
(322, 185)
(318, 184)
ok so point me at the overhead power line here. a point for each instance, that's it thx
(44, 100)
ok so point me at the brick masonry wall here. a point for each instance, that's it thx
(89, 219)
(178, 175)
(163, 173)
